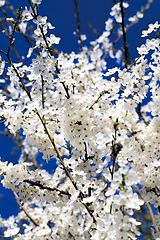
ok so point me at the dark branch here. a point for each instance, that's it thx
(41, 186)
(126, 50)
(42, 91)
(139, 112)
(78, 24)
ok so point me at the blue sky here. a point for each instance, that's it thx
(61, 14)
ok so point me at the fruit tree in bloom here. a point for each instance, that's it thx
(100, 125)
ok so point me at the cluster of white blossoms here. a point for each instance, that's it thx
(72, 108)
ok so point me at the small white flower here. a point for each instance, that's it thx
(40, 20)
(133, 19)
(27, 14)
(153, 27)
(30, 51)
(152, 44)
(53, 39)
(83, 37)
(143, 49)
(37, 1)
(140, 15)
(11, 20)
(2, 65)
(23, 26)
(2, 2)
(145, 33)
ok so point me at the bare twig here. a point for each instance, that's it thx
(86, 156)
(78, 24)
(126, 50)
(43, 98)
(66, 90)
(93, 29)
(140, 113)
(13, 47)
(114, 147)
(130, 67)
(14, 29)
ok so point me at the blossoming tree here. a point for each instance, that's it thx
(93, 120)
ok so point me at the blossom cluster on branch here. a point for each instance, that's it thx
(93, 121)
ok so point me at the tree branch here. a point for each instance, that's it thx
(42, 186)
(126, 50)
(78, 24)
(21, 206)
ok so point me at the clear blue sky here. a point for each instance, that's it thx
(61, 14)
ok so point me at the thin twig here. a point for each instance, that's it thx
(14, 29)
(126, 50)
(93, 29)
(13, 47)
(66, 89)
(96, 101)
(42, 91)
(21, 206)
(78, 25)
(114, 150)
(130, 67)
(86, 156)
(42, 186)
(140, 113)
(3, 237)
(152, 216)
